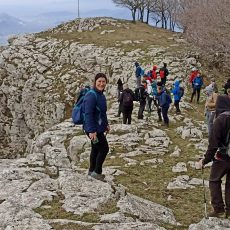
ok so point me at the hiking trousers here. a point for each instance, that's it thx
(98, 153)
(138, 81)
(196, 91)
(177, 106)
(127, 114)
(164, 111)
(141, 109)
(219, 169)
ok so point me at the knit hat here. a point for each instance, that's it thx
(194, 69)
(222, 104)
(100, 75)
(209, 89)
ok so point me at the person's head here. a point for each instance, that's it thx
(159, 88)
(125, 86)
(222, 104)
(228, 92)
(100, 81)
(209, 90)
(165, 64)
(144, 83)
(136, 64)
(154, 67)
(194, 69)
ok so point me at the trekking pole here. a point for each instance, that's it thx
(204, 191)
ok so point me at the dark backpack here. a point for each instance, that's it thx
(181, 91)
(78, 115)
(127, 98)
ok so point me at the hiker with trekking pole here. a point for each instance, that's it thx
(219, 152)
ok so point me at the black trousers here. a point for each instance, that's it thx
(164, 111)
(197, 92)
(219, 169)
(158, 109)
(98, 153)
(141, 109)
(176, 104)
(127, 114)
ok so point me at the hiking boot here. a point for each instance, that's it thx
(217, 214)
(98, 176)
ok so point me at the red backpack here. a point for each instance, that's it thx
(162, 73)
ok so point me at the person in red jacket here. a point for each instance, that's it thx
(154, 73)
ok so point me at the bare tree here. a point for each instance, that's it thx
(132, 5)
(207, 25)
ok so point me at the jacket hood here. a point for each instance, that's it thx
(222, 104)
(177, 83)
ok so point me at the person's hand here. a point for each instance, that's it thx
(107, 129)
(199, 164)
(93, 136)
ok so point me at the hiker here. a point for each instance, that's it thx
(96, 124)
(126, 100)
(164, 101)
(214, 85)
(119, 91)
(156, 100)
(154, 73)
(218, 150)
(197, 84)
(142, 99)
(193, 75)
(210, 105)
(83, 91)
(178, 94)
(227, 86)
(138, 74)
(163, 74)
(119, 87)
(149, 95)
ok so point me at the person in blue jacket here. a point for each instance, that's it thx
(164, 102)
(197, 84)
(177, 95)
(138, 74)
(96, 124)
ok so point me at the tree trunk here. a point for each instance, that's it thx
(147, 17)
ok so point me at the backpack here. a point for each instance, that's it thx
(142, 71)
(168, 98)
(137, 94)
(78, 115)
(127, 99)
(162, 73)
(82, 93)
(181, 91)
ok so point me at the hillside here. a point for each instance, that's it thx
(151, 181)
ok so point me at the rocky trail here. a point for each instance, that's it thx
(150, 176)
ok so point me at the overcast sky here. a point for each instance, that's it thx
(28, 8)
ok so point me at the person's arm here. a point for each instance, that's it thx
(90, 103)
(214, 140)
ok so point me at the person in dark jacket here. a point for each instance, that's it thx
(96, 124)
(164, 104)
(126, 100)
(227, 86)
(218, 153)
(138, 74)
(142, 99)
(119, 91)
(163, 74)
